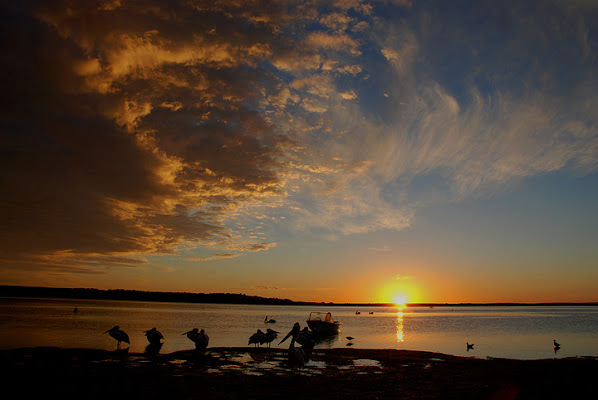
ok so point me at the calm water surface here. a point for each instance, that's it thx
(511, 332)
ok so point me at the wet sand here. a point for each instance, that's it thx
(249, 373)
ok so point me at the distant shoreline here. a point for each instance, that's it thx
(224, 298)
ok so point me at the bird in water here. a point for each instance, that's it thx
(350, 338)
(256, 338)
(119, 335)
(555, 343)
(269, 321)
(295, 354)
(269, 337)
(469, 346)
(306, 338)
(153, 336)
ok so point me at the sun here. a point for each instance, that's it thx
(400, 300)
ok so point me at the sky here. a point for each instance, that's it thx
(337, 151)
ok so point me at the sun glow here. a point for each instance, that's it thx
(400, 300)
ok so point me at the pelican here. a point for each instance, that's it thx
(555, 343)
(350, 338)
(469, 346)
(119, 335)
(192, 334)
(256, 338)
(295, 354)
(269, 336)
(153, 336)
(201, 343)
(349, 344)
(306, 338)
(269, 321)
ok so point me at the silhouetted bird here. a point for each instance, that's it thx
(371, 312)
(256, 338)
(349, 344)
(306, 338)
(192, 334)
(295, 355)
(268, 337)
(153, 336)
(350, 338)
(119, 335)
(201, 343)
(555, 343)
(357, 312)
(469, 346)
(75, 310)
(269, 321)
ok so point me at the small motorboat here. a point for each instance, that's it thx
(321, 323)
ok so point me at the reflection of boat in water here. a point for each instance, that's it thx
(322, 324)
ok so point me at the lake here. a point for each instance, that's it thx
(521, 332)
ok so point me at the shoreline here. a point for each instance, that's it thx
(245, 372)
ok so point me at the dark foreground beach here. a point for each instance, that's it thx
(248, 373)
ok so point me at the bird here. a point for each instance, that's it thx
(555, 343)
(269, 337)
(371, 312)
(119, 335)
(199, 338)
(306, 338)
(192, 334)
(295, 355)
(349, 344)
(357, 313)
(202, 340)
(256, 338)
(469, 346)
(269, 321)
(153, 336)
(350, 338)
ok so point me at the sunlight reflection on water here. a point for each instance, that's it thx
(513, 332)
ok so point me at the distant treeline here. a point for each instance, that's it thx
(222, 298)
(138, 295)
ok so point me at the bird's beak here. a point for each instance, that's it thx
(107, 331)
(286, 337)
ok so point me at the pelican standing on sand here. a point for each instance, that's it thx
(200, 338)
(202, 341)
(257, 338)
(555, 343)
(269, 337)
(119, 335)
(295, 354)
(153, 336)
(306, 339)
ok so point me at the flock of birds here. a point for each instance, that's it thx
(295, 355)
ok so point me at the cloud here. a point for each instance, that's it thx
(136, 130)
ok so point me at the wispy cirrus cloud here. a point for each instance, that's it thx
(151, 129)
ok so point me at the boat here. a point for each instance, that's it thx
(321, 323)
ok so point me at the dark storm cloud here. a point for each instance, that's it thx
(129, 127)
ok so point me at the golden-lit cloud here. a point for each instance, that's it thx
(152, 128)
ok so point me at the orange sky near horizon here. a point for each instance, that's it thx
(332, 151)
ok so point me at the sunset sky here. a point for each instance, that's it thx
(345, 151)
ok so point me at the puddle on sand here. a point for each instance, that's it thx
(364, 362)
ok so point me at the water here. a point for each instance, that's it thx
(509, 332)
